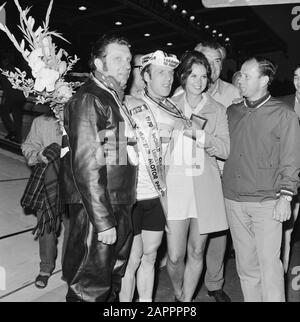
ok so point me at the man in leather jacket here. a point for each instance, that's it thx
(99, 179)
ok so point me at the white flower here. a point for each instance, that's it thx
(47, 43)
(48, 64)
(63, 90)
(62, 67)
(46, 79)
(35, 61)
(38, 31)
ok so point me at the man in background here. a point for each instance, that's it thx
(136, 85)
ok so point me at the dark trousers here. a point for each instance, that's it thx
(94, 270)
(13, 125)
(216, 248)
(48, 247)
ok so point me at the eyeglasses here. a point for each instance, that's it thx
(137, 66)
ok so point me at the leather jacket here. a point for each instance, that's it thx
(96, 171)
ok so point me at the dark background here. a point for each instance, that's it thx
(271, 31)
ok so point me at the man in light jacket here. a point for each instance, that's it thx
(259, 180)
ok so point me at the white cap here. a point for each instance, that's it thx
(159, 58)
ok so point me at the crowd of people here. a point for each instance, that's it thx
(210, 158)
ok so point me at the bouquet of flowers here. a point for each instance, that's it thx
(48, 65)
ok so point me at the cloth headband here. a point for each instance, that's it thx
(159, 58)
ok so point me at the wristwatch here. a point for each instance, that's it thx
(286, 197)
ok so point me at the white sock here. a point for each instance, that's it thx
(145, 300)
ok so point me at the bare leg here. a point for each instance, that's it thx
(177, 241)
(128, 280)
(145, 274)
(194, 263)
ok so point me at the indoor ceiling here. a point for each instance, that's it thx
(153, 24)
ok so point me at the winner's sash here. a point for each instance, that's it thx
(147, 133)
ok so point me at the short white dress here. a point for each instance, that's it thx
(185, 163)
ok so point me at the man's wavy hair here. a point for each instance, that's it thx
(99, 48)
(266, 67)
(213, 45)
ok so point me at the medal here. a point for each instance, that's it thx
(169, 107)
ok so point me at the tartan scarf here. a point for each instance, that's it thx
(42, 191)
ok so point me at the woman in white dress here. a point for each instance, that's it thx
(195, 197)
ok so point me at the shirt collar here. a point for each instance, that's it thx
(188, 111)
(217, 87)
(257, 103)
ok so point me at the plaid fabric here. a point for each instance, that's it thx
(42, 191)
(33, 197)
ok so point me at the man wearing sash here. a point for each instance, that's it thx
(99, 178)
(155, 117)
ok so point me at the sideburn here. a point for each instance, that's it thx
(104, 65)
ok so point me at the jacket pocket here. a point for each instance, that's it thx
(267, 169)
(269, 158)
(267, 179)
